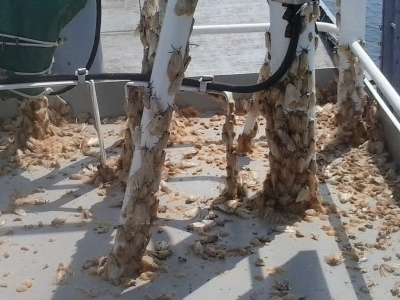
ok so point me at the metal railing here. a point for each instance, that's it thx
(250, 28)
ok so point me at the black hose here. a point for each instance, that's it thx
(211, 86)
(286, 63)
(93, 53)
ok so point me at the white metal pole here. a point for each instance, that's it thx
(350, 21)
(327, 27)
(383, 105)
(175, 37)
(274, 32)
(380, 80)
(7, 87)
(96, 113)
(250, 28)
(230, 28)
(279, 44)
(140, 204)
(289, 107)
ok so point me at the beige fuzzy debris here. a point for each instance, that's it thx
(334, 259)
(148, 276)
(63, 274)
(25, 285)
(276, 270)
(57, 222)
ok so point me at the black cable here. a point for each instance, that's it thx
(211, 86)
(286, 63)
(93, 53)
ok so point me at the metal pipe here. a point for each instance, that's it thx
(253, 27)
(230, 28)
(175, 33)
(382, 104)
(144, 84)
(6, 87)
(327, 27)
(18, 86)
(96, 113)
(277, 35)
(383, 84)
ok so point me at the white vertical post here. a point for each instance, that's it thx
(350, 21)
(175, 33)
(96, 112)
(254, 109)
(140, 204)
(279, 43)
(291, 184)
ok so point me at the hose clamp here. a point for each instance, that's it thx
(204, 80)
(81, 74)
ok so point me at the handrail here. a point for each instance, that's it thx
(380, 80)
(240, 28)
(382, 104)
(250, 28)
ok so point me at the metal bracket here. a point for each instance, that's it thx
(81, 74)
(294, 2)
(204, 80)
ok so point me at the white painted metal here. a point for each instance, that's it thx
(352, 21)
(175, 31)
(380, 80)
(305, 44)
(351, 28)
(251, 120)
(45, 92)
(16, 86)
(327, 27)
(242, 28)
(96, 113)
(279, 43)
(250, 28)
(253, 113)
(230, 28)
(228, 96)
(382, 104)
(183, 88)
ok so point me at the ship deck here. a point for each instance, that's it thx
(360, 187)
(294, 261)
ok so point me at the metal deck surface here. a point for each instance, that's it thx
(222, 54)
(30, 251)
(304, 270)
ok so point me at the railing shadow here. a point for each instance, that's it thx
(54, 180)
(229, 275)
(235, 271)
